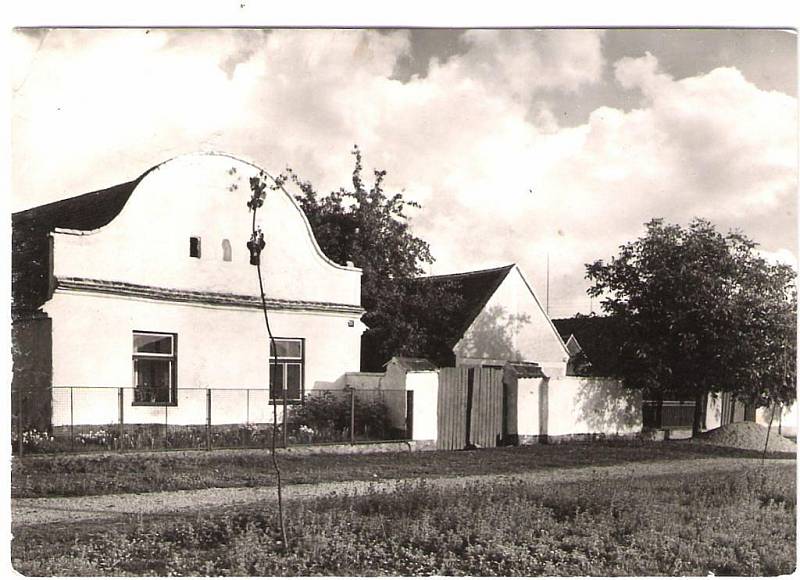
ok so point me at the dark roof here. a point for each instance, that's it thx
(527, 370)
(596, 336)
(86, 212)
(413, 363)
(475, 289)
(31, 273)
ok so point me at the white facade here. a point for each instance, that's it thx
(513, 326)
(425, 385)
(136, 274)
(576, 406)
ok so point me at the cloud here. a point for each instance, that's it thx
(524, 61)
(474, 139)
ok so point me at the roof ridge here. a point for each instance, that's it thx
(470, 273)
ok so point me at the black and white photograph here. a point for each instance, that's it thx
(402, 301)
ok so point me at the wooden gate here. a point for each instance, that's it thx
(452, 413)
(470, 407)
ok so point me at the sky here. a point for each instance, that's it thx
(522, 145)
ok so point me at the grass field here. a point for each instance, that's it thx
(77, 475)
(740, 523)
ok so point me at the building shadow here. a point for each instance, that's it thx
(493, 335)
(606, 406)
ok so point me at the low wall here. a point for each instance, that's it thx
(425, 386)
(570, 408)
(529, 424)
(588, 405)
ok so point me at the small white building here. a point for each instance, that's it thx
(147, 287)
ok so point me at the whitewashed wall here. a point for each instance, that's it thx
(713, 412)
(205, 195)
(528, 407)
(582, 405)
(513, 326)
(218, 347)
(425, 385)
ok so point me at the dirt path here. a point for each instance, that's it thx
(37, 511)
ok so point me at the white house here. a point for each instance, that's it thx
(148, 286)
(507, 323)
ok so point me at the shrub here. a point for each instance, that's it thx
(325, 417)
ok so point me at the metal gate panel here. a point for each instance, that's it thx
(452, 412)
(487, 408)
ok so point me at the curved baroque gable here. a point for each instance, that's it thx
(204, 196)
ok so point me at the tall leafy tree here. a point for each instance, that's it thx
(370, 228)
(699, 311)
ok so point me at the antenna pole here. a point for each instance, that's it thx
(547, 300)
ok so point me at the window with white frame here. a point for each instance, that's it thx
(155, 357)
(287, 369)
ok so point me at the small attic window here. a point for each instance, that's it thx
(194, 247)
(226, 250)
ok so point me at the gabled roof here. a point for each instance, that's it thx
(573, 346)
(86, 212)
(475, 289)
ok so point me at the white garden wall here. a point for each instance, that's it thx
(593, 406)
(529, 393)
(425, 385)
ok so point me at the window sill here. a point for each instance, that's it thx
(145, 404)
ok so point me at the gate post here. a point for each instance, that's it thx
(470, 394)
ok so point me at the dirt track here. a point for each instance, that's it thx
(37, 511)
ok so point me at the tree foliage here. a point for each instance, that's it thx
(370, 228)
(697, 311)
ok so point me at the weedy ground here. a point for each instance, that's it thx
(97, 474)
(739, 523)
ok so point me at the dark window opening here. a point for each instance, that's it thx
(194, 247)
(288, 373)
(155, 360)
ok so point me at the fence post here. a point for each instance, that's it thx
(20, 429)
(121, 397)
(285, 438)
(352, 416)
(208, 419)
(166, 426)
(71, 421)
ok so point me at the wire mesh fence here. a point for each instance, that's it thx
(81, 419)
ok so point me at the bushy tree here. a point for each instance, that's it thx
(698, 312)
(370, 228)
